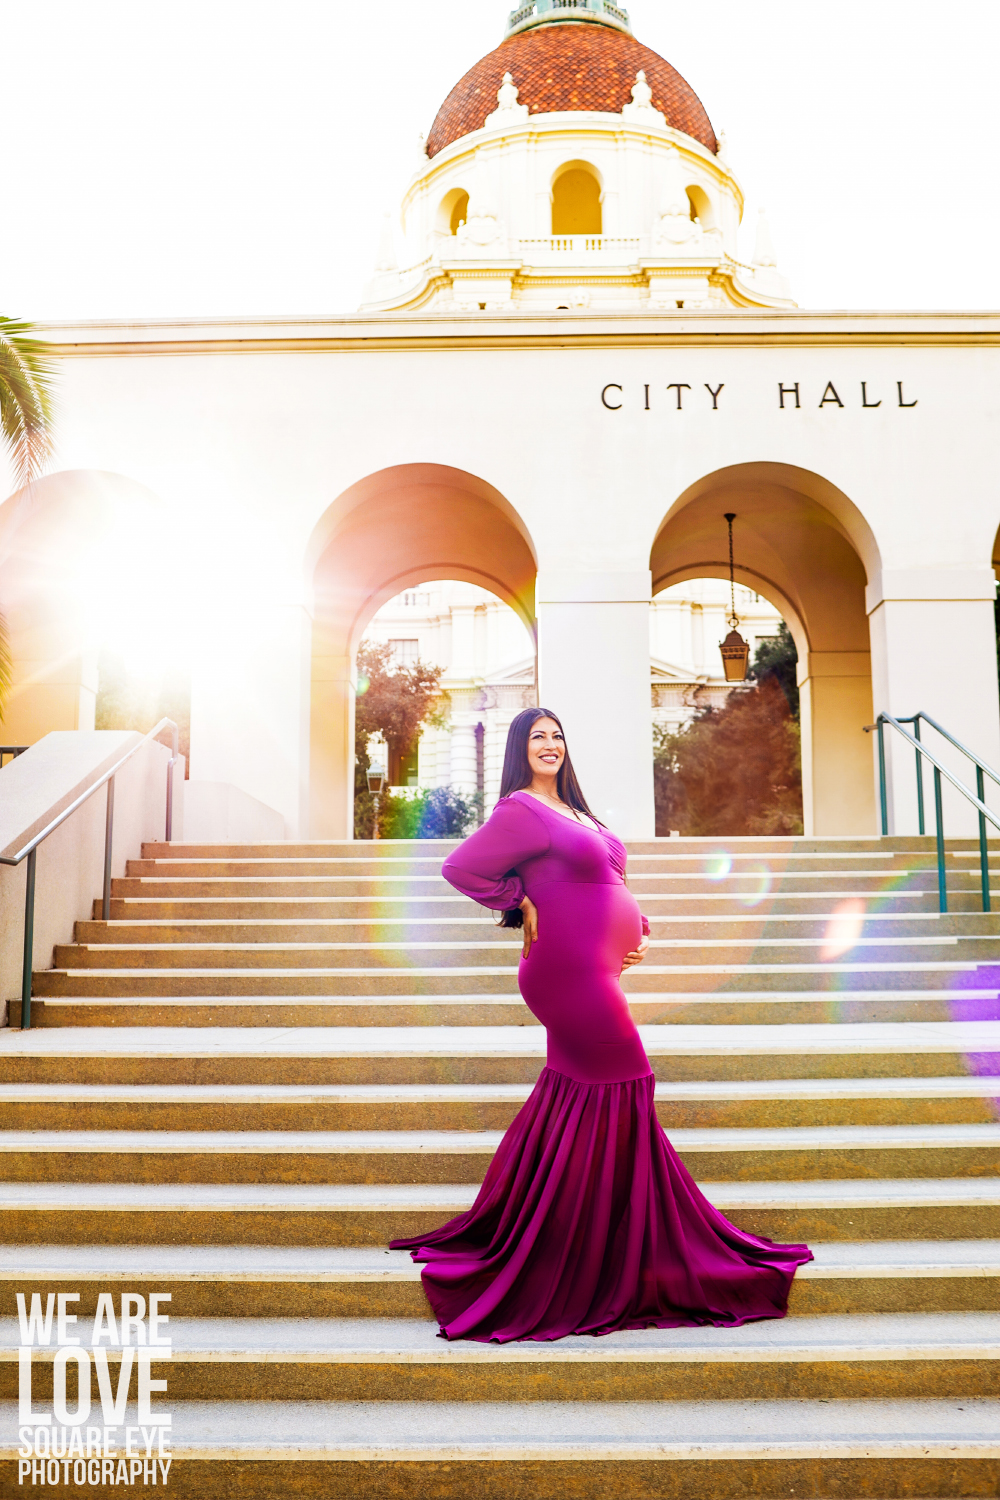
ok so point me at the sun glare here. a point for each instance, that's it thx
(843, 929)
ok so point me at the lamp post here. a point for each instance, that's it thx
(376, 785)
(734, 650)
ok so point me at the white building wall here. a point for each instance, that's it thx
(515, 404)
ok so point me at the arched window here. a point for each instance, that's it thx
(701, 207)
(576, 201)
(453, 212)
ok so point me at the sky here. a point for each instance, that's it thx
(235, 158)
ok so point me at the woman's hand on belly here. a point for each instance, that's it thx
(636, 956)
(530, 925)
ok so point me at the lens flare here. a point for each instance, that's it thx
(719, 866)
(759, 887)
(843, 929)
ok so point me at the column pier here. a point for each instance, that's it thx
(835, 703)
(934, 648)
(593, 671)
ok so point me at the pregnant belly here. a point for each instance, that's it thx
(570, 981)
(584, 933)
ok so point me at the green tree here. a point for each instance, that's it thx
(732, 771)
(777, 660)
(395, 702)
(26, 382)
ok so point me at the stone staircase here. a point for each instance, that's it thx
(272, 1060)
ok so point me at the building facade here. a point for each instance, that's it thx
(488, 669)
(251, 493)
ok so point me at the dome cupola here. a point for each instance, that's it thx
(570, 168)
(565, 66)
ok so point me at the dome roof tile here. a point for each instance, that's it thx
(569, 66)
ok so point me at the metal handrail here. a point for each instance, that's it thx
(31, 848)
(922, 754)
(12, 750)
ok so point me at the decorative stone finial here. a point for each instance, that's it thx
(508, 111)
(642, 94)
(641, 109)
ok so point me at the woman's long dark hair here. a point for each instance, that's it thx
(517, 774)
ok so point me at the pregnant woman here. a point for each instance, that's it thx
(587, 1220)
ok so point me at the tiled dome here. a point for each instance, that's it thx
(569, 66)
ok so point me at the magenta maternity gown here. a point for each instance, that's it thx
(587, 1220)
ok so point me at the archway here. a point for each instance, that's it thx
(577, 200)
(83, 554)
(726, 759)
(392, 531)
(802, 545)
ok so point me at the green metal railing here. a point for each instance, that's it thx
(31, 849)
(977, 799)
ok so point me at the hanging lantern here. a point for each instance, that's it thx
(734, 650)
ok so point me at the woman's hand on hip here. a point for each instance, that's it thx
(637, 956)
(530, 925)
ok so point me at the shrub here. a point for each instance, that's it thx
(439, 814)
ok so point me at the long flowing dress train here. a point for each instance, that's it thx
(587, 1220)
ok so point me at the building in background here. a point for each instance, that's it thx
(489, 668)
(686, 624)
(489, 676)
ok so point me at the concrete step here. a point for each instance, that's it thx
(670, 955)
(756, 1007)
(748, 888)
(840, 928)
(786, 1103)
(747, 1154)
(246, 1280)
(717, 863)
(927, 1355)
(388, 848)
(692, 980)
(711, 904)
(513, 1451)
(320, 1214)
(509, 1054)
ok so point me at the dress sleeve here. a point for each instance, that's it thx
(482, 866)
(645, 925)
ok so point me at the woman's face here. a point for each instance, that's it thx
(546, 748)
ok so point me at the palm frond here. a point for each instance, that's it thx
(26, 398)
(6, 667)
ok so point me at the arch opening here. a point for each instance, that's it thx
(443, 772)
(725, 755)
(577, 200)
(701, 206)
(801, 545)
(453, 211)
(401, 530)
